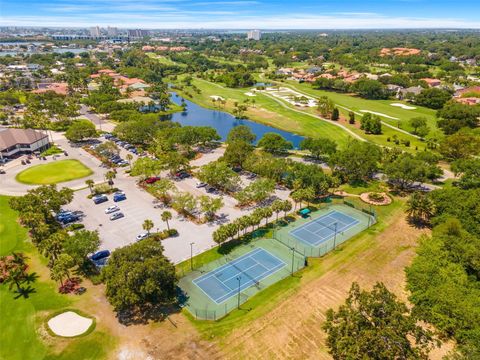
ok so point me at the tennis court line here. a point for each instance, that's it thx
(251, 280)
(321, 239)
(309, 222)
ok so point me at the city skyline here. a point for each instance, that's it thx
(235, 14)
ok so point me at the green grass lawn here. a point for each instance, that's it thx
(356, 104)
(269, 298)
(54, 172)
(23, 318)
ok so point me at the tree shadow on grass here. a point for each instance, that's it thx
(149, 312)
(418, 223)
(24, 292)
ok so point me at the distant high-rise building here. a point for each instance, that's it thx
(112, 31)
(254, 35)
(95, 31)
(138, 33)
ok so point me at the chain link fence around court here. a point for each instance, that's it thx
(213, 290)
(364, 217)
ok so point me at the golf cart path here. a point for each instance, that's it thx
(315, 116)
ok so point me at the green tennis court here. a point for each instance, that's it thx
(217, 288)
(324, 229)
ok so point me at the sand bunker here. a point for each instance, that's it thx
(216, 97)
(69, 324)
(403, 106)
(250, 94)
(379, 114)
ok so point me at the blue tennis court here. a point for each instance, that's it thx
(222, 283)
(324, 228)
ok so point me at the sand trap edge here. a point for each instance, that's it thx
(76, 311)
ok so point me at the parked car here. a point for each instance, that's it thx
(119, 196)
(112, 209)
(2, 171)
(182, 175)
(211, 190)
(142, 236)
(98, 199)
(116, 216)
(100, 255)
(152, 179)
(69, 219)
(200, 185)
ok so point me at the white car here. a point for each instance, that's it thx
(200, 185)
(112, 209)
(142, 236)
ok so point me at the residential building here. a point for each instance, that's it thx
(138, 33)
(432, 82)
(17, 142)
(95, 31)
(254, 35)
(112, 31)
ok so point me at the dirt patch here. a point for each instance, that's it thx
(293, 329)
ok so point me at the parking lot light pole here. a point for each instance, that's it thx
(238, 297)
(191, 255)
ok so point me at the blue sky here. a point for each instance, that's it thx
(243, 14)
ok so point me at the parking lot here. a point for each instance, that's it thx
(140, 205)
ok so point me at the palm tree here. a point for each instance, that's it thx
(166, 215)
(297, 197)
(147, 225)
(238, 226)
(277, 206)
(61, 268)
(267, 212)
(420, 208)
(90, 184)
(52, 246)
(15, 269)
(287, 206)
(257, 216)
(130, 158)
(110, 175)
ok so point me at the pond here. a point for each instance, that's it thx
(196, 115)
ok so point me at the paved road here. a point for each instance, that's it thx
(94, 118)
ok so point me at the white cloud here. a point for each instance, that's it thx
(176, 19)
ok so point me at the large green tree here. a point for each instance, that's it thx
(219, 174)
(80, 244)
(375, 325)
(81, 130)
(275, 143)
(139, 276)
(357, 161)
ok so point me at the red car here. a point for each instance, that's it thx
(151, 180)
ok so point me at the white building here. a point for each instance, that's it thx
(112, 31)
(254, 35)
(16, 142)
(95, 31)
